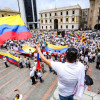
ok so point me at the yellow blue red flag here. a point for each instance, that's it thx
(12, 27)
(10, 58)
(26, 49)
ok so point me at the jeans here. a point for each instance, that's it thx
(66, 98)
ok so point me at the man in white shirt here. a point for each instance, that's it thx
(70, 74)
(5, 61)
(32, 76)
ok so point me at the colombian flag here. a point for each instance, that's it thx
(13, 28)
(83, 39)
(51, 47)
(10, 58)
(26, 49)
(77, 34)
(38, 62)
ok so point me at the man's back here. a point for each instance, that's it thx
(68, 75)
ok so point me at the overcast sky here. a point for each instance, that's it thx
(45, 4)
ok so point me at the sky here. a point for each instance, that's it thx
(45, 4)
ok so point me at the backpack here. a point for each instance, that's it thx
(88, 80)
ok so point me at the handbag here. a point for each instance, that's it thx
(88, 80)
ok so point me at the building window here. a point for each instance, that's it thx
(41, 15)
(61, 20)
(50, 27)
(45, 21)
(55, 14)
(2, 15)
(61, 26)
(72, 26)
(92, 4)
(73, 12)
(50, 14)
(73, 19)
(61, 13)
(42, 27)
(66, 26)
(8, 15)
(46, 27)
(66, 12)
(50, 20)
(41, 21)
(66, 19)
(45, 15)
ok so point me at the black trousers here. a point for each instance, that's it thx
(36, 76)
(97, 65)
(6, 64)
(33, 80)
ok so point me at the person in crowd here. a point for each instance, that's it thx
(28, 63)
(40, 76)
(86, 67)
(18, 96)
(98, 60)
(42, 65)
(32, 72)
(20, 62)
(5, 61)
(25, 61)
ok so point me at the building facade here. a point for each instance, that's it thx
(84, 23)
(94, 13)
(28, 10)
(8, 12)
(61, 18)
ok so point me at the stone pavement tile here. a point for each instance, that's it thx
(92, 94)
(97, 97)
(42, 88)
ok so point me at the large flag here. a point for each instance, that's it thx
(26, 49)
(13, 27)
(10, 58)
(51, 47)
(83, 39)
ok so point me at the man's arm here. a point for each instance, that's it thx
(19, 91)
(48, 62)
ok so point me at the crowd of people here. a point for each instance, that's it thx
(88, 50)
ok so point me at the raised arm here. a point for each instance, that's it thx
(47, 61)
(19, 91)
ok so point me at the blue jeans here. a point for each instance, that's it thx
(66, 98)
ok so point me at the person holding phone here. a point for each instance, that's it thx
(18, 96)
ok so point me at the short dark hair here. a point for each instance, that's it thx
(71, 54)
(17, 96)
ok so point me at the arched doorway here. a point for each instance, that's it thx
(97, 27)
(56, 24)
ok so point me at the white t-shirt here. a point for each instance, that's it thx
(86, 59)
(32, 73)
(39, 74)
(68, 76)
(20, 98)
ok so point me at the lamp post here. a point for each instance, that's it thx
(18, 5)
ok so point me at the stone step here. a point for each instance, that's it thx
(88, 95)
